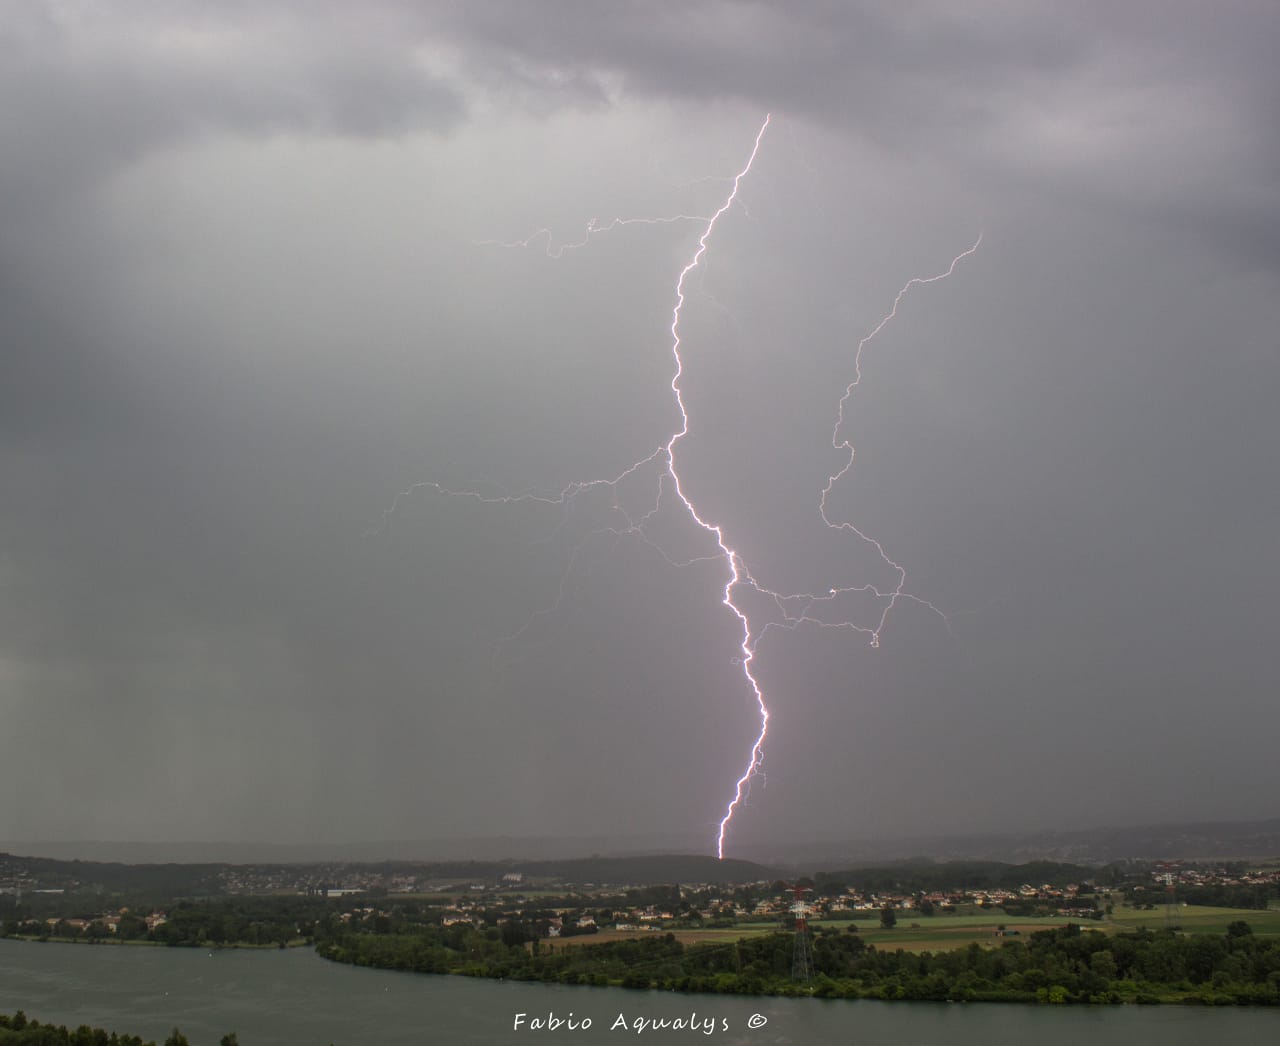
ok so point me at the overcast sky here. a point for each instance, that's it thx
(252, 286)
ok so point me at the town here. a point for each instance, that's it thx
(41, 898)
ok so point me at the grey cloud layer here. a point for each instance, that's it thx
(241, 304)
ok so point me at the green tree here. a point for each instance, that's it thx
(888, 918)
(1103, 963)
(176, 1038)
(229, 1040)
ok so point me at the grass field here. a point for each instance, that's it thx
(1198, 919)
(936, 934)
(944, 932)
(718, 936)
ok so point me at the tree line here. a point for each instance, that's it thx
(19, 1030)
(1063, 965)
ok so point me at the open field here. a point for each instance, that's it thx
(945, 932)
(942, 932)
(717, 936)
(936, 934)
(1197, 919)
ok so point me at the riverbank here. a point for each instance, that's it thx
(1062, 966)
(115, 942)
(1056, 967)
(292, 998)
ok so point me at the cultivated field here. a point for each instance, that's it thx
(1198, 919)
(944, 932)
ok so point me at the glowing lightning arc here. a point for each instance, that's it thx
(731, 557)
(794, 609)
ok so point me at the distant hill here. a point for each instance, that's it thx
(1210, 840)
(472, 848)
(205, 879)
(657, 868)
(924, 875)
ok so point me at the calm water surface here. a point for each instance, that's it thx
(294, 998)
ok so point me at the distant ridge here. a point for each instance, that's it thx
(479, 848)
(1209, 840)
(1201, 840)
(652, 869)
(207, 878)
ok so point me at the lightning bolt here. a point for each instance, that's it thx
(731, 557)
(793, 609)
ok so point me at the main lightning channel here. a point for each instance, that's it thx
(731, 557)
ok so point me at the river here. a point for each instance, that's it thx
(294, 998)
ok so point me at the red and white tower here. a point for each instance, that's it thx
(802, 955)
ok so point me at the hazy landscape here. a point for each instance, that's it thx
(558, 495)
(1129, 931)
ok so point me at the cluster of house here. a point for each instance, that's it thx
(698, 904)
(320, 880)
(478, 903)
(1183, 875)
(107, 921)
(853, 903)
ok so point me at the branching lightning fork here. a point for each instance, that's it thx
(558, 250)
(794, 609)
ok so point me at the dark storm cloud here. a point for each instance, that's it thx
(101, 85)
(241, 305)
(95, 89)
(837, 60)
(1139, 105)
